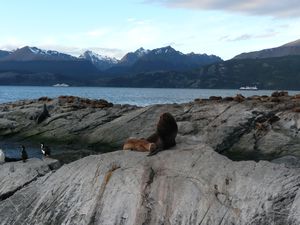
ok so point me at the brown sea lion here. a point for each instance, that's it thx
(140, 145)
(166, 132)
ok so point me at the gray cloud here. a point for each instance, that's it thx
(243, 37)
(277, 8)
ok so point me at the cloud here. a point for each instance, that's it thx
(76, 51)
(98, 32)
(276, 8)
(244, 37)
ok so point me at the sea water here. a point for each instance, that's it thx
(134, 96)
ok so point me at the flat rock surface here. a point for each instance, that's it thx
(16, 175)
(185, 185)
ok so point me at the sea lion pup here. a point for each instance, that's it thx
(45, 150)
(24, 155)
(140, 145)
(166, 132)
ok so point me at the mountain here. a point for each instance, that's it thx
(132, 57)
(4, 54)
(33, 66)
(81, 72)
(167, 58)
(160, 59)
(101, 62)
(35, 54)
(268, 73)
(292, 48)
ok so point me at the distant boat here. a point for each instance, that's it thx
(249, 88)
(61, 85)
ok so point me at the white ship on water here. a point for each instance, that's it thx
(61, 85)
(249, 88)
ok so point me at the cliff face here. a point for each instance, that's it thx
(186, 185)
(193, 183)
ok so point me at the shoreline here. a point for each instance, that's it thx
(81, 126)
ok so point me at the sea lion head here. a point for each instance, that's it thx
(166, 125)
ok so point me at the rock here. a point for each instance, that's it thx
(45, 99)
(288, 161)
(297, 109)
(279, 94)
(228, 98)
(215, 98)
(235, 128)
(186, 185)
(15, 175)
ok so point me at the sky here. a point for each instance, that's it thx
(114, 27)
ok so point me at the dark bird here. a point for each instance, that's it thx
(24, 155)
(43, 115)
(45, 150)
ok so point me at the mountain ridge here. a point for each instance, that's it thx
(291, 48)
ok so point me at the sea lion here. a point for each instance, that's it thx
(24, 155)
(239, 98)
(140, 145)
(166, 132)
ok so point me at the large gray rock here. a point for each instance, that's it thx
(191, 184)
(15, 175)
(256, 128)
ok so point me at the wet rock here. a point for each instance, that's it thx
(280, 94)
(228, 98)
(215, 98)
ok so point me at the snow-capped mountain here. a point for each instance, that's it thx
(101, 62)
(130, 58)
(35, 54)
(160, 59)
(165, 59)
(4, 53)
(168, 50)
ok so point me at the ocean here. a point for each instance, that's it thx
(133, 96)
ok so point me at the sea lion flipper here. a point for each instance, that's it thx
(154, 152)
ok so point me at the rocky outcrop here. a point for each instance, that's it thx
(258, 127)
(190, 184)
